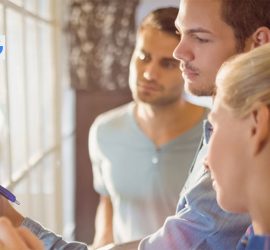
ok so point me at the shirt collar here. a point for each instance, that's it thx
(250, 241)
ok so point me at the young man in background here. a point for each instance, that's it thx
(141, 151)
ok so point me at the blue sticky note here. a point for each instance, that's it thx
(2, 46)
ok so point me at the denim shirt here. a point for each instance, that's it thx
(199, 223)
(250, 241)
(50, 240)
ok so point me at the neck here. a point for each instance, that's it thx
(259, 203)
(163, 123)
(261, 219)
(160, 114)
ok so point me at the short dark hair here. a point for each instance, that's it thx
(245, 17)
(162, 19)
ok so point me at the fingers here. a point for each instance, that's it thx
(9, 236)
(12, 238)
(30, 240)
(7, 210)
(3, 205)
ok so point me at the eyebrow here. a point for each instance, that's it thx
(198, 30)
(195, 30)
(176, 25)
(210, 117)
(171, 58)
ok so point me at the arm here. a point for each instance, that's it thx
(104, 214)
(104, 231)
(8, 211)
(50, 240)
(199, 222)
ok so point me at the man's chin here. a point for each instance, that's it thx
(194, 89)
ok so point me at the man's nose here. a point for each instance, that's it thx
(151, 72)
(183, 51)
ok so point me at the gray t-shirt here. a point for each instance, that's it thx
(142, 180)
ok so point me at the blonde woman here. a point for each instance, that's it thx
(239, 149)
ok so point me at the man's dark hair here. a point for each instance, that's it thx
(162, 19)
(245, 17)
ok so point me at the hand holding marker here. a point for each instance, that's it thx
(8, 195)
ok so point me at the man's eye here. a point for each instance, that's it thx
(144, 57)
(202, 40)
(170, 64)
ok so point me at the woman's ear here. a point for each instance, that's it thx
(260, 36)
(260, 128)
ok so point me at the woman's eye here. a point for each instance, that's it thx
(208, 131)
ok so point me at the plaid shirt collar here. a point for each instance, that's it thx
(250, 241)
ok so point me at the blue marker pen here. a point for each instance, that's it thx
(8, 195)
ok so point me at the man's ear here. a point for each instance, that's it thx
(260, 128)
(260, 36)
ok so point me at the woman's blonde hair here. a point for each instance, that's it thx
(245, 80)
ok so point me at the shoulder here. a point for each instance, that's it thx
(114, 116)
(113, 120)
(194, 134)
